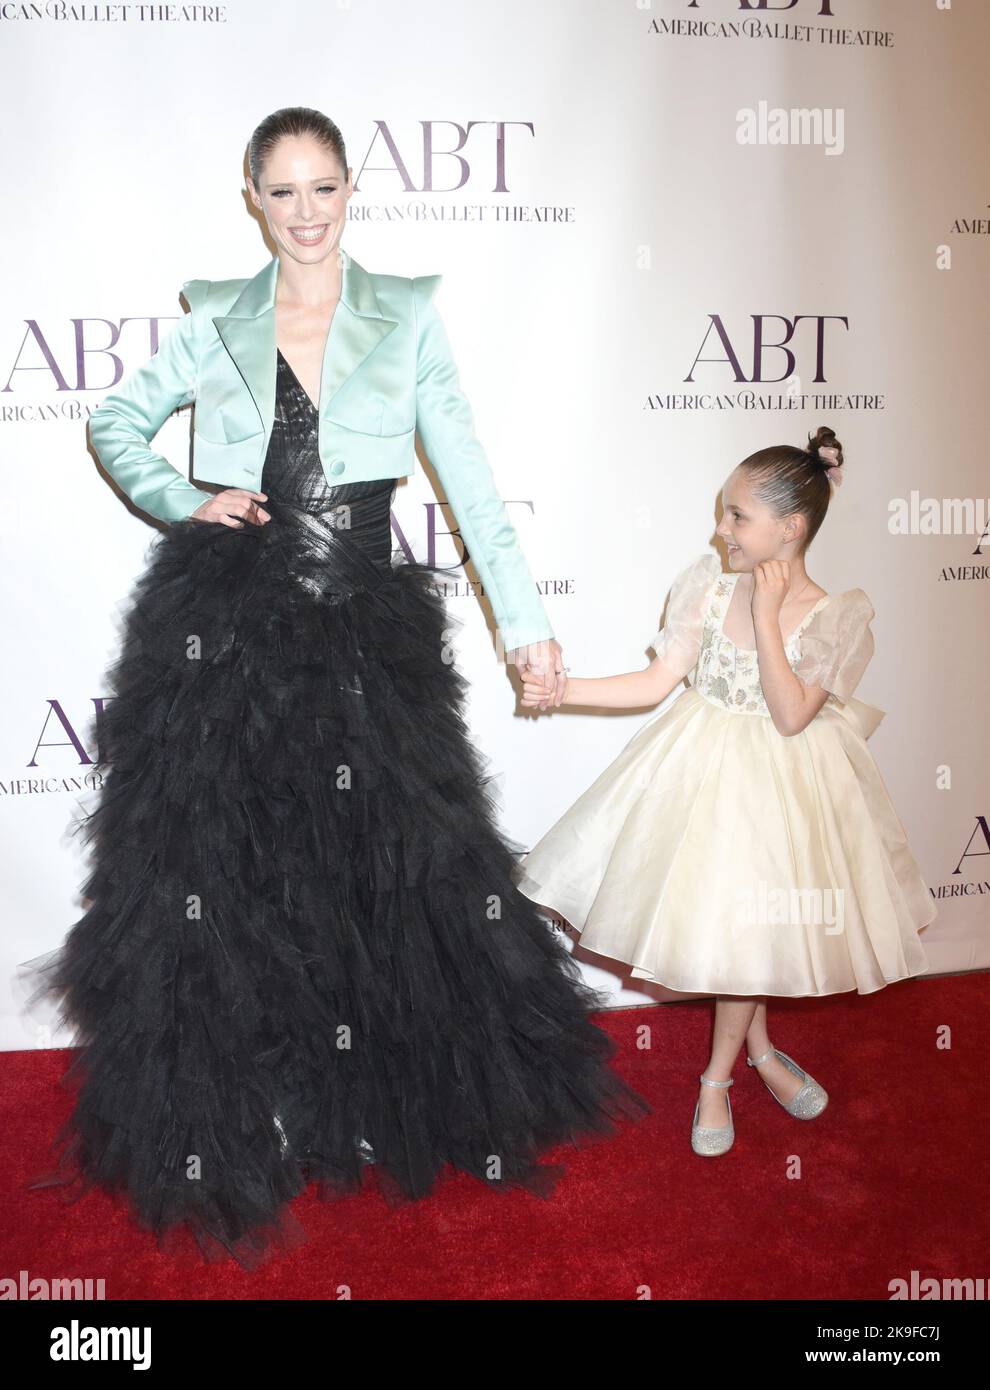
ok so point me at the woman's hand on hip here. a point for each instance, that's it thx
(233, 507)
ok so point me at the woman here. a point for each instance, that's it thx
(304, 949)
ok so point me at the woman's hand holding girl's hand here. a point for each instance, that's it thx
(233, 507)
(544, 660)
(539, 687)
(770, 581)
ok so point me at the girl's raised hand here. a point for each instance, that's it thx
(770, 581)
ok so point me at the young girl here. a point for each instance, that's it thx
(743, 843)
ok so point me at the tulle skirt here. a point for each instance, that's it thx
(714, 855)
(303, 956)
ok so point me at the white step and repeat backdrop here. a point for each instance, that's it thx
(671, 233)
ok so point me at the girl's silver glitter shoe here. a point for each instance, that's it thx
(805, 1104)
(712, 1141)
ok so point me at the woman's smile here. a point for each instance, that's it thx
(309, 236)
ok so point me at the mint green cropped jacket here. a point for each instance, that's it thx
(388, 373)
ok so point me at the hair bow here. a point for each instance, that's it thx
(830, 453)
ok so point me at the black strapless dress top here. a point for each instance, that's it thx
(293, 475)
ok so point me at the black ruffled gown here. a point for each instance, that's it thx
(304, 952)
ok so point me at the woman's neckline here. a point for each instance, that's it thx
(288, 367)
(790, 636)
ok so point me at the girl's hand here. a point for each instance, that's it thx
(233, 507)
(542, 659)
(770, 581)
(538, 688)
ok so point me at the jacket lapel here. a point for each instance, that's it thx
(248, 333)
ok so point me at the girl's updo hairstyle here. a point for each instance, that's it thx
(789, 480)
(293, 120)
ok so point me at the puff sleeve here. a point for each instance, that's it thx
(678, 643)
(837, 644)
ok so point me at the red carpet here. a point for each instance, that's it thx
(892, 1179)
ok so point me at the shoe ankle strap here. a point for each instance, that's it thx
(705, 1082)
(755, 1061)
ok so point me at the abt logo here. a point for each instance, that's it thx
(824, 9)
(762, 344)
(445, 146)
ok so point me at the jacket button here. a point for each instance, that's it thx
(337, 467)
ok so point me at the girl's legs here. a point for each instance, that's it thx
(779, 1078)
(733, 1018)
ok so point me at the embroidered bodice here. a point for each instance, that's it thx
(730, 675)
